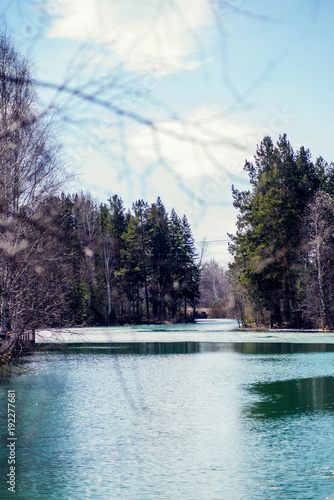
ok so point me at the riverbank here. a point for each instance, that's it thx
(266, 329)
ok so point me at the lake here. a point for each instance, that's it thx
(182, 412)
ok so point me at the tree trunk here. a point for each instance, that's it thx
(326, 316)
(146, 298)
(5, 300)
(109, 301)
(276, 316)
(145, 277)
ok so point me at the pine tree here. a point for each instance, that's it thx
(190, 270)
(265, 247)
(133, 272)
(141, 211)
(176, 258)
(159, 247)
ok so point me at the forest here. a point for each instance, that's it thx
(64, 259)
(67, 260)
(79, 263)
(119, 266)
(282, 272)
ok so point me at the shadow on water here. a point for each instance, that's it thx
(124, 348)
(292, 397)
(281, 348)
(163, 348)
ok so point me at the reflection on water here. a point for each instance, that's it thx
(281, 348)
(290, 397)
(122, 348)
(159, 348)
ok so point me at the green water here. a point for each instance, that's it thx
(183, 420)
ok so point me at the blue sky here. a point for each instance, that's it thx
(215, 77)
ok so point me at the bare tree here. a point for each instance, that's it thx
(217, 290)
(214, 283)
(319, 230)
(30, 170)
(108, 88)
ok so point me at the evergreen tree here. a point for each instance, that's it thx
(141, 211)
(265, 247)
(177, 261)
(117, 226)
(159, 247)
(133, 272)
(190, 270)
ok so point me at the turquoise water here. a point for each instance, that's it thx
(173, 420)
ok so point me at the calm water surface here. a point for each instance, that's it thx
(142, 420)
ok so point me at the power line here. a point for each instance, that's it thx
(212, 242)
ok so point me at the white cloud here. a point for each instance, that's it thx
(192, 181)
(75, 20)
(206, 165)
(204, 144)
(145, 35)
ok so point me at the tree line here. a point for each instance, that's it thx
(65, 260)
(120, 266)
(80, 263)
(282, 272)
